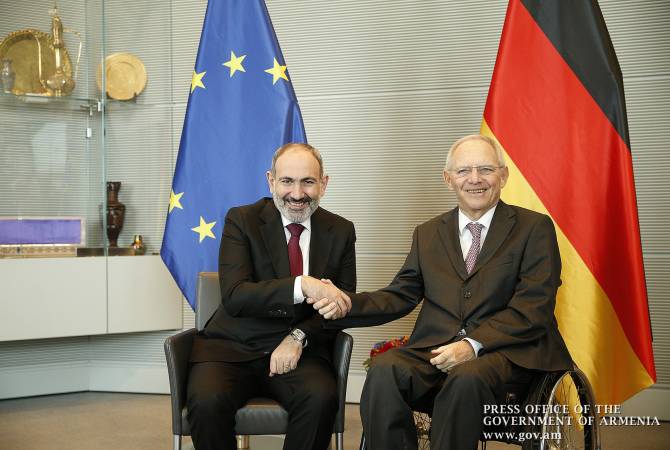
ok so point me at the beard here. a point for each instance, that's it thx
(283, 205)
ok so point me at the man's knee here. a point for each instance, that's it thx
(468, 378)
(387, 374)
(317, 399)
(383, 367)
(470, 381)
(210, 404)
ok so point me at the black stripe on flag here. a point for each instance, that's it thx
(578, 31)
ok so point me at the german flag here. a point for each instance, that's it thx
(556, 106)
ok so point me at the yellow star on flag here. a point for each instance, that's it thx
(235, 63)
(204, 229)
(174, 201)
(277, 72)
(196, 81)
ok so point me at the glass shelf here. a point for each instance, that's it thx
(77, 103)
(121, 105)
(69, 102)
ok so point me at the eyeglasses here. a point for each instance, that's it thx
(463, 172)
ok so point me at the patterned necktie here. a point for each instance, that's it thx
(294, 252)
(471, 258)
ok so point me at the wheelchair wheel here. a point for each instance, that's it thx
(423, 422)
(564, 424)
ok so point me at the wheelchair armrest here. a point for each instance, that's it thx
(177, 353)
(341, 358)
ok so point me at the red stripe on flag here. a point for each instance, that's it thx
(575, 161)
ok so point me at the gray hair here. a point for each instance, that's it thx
(293, 145)
(476, 137)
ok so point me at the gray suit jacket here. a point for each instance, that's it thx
(506, 303)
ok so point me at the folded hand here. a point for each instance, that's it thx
(450, 355)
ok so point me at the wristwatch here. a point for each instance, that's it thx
(299, 336)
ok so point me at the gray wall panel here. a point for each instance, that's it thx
(129, 349)
(658, 283)
(353, 47)
(43, 351)
(639, 32)
(647, 113)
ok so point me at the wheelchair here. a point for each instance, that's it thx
(557, 412)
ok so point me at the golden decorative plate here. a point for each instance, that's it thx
(125, 75)
(22, 48)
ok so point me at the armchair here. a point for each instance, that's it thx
(259, 415)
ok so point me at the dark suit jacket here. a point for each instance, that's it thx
(506, 303)
(257, 309)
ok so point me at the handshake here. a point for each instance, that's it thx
(326, 298)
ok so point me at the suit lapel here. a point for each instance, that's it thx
(449, 236)
(320, 244)
(504, 219)
(274, 238)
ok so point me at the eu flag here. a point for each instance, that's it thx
(240, 109)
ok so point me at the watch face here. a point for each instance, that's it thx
(298, 335)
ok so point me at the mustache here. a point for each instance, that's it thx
(305, 199)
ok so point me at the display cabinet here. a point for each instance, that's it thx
(86, 157)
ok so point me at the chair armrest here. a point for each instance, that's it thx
(177, 353)
(341, 357)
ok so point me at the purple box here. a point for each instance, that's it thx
(42, 230)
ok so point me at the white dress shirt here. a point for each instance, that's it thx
(305, 238)
(465, 237)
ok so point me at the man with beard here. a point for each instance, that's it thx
(264, 340)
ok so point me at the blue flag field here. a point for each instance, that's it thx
(241, 108)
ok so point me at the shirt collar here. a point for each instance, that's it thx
(307, 223)
(484, 220)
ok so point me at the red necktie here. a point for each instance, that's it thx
(294, 252)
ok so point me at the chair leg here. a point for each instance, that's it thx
(176, 442)
(339, 441)
(242, 442)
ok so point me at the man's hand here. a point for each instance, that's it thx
(326, 298)
(285, 357)
(452, 354)
(327, 308)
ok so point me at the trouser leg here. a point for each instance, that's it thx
(216, 390)
(309, 395)
(397, 380)
(459, 405)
